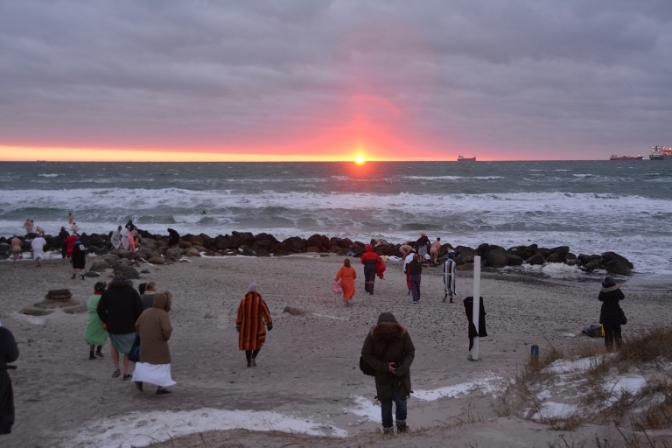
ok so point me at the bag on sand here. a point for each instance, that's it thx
(336, 287)
(594, 331)
(134, 354)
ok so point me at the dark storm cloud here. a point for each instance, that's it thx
(567, 77)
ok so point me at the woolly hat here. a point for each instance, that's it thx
(608, 282)
(386, 317)
(253, 287)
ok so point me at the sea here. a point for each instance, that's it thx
(590, 206)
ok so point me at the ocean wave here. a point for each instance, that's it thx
(50, 175)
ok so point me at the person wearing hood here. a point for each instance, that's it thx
(63, 236)
(119, 309)
(414, 271)
(95, 334)
(252, 315)
(173, 238)
(373, 265)
(78, 259)
(449, 275)
(37, 245)
(611, 314)
(125, 233)
(9, 352)
(155, 329)
(347, 275)
(389, 350)
(115, 239)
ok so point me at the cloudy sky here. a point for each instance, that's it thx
(312, 79)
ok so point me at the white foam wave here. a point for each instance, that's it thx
(49, 175)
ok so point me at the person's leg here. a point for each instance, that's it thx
(408, 280)
(386, 412)
(115, 360)
(608, 336)
(254, 357)
(401, 413)
(126, 365)
(617, 335)
(91, 355)
(99, 353)
(248, 356)
(415, 287)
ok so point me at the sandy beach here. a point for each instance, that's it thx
(307, 383)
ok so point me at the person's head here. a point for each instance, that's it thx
(386, 317)
(346, 262)
(119, 228)
(608, 282)
(63, 229)
(151, 287)
(253, 287)
(162, 300)
(438, 239)
(142, 287)
(369, 248)
(99, 287)
(69, 213)
(423, 234)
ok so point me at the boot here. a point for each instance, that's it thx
(91, 355)
(401, 426)
(82, 277)
(388, 431)
(99, 353)
(73, 276)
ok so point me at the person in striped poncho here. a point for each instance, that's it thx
(253, 314)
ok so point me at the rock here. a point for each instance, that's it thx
(192, 252)
(571, 259)
(384, 249)
(497, 258)
(465, 266)
(81, 308)
(174, 253)
(295, 244)
(536, 259)
(262, 253)
(183, 244)
(314, 241)
(515, 260)
(558, 255)
(242, 239)
(92, 274)
(483, 249)
(223, 242)
(145, 271)
(619, 267)
(99, 265)
(30, 311)
(344, 243)
(156, 260)
(127, 271)
(464, 255)
(591, 265)
(607, 257)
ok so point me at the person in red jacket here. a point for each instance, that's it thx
(372, 265)
(70, 244)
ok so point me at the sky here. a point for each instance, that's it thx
(334, 80)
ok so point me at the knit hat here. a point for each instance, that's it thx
(386, 317)
(608, 282)
(253, 287)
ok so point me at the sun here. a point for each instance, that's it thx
(360, 160)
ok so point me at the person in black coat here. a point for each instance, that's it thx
(9, 352)
(173, 238)
(611, 314)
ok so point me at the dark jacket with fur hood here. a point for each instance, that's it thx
(120, 306)
(610, 312)
(399, 349)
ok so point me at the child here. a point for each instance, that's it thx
(95, 331)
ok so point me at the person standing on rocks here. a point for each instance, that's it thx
(415, 276)
(252, 315)
(147, 296)
(78, 259)
(37, 245)
(95, 334)
(173, 238)
(9, 352)
(28, 225)
(63, 236)
(115, 239)
(434, 251)
(125, 233)
(449, 276)
(421, 246)
(16, 248)
(611, 314)
(389, 350)
(371, 262)
(119, 308)
(347, 275)
(154, 329)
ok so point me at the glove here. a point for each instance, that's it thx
(238, 328)
(269, 327)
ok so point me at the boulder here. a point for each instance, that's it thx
(192, 252)
(514, 260)
(558, 255)
(571, 259)
(384, 249)
(174, 253)
(592, 264)
(483, 249)
(607, 257)
(536, 259)
(223, 242)
(344, 243)
(497, 258)
(156, 260)
(464, 255)
(619, 267)
(183, 244)
(246, 250)
(294, 244)
(261, 252)
(314, 241)
(92, 274)
(99, 265)
(239, 239)
(312, 249)
(127, 271)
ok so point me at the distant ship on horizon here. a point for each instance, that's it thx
(660, 153)
(466, 159)
(615, 157)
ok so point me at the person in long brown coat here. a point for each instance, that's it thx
(252, 315)
(155, 329)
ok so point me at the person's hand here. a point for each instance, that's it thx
(269, 327)
(391, 368)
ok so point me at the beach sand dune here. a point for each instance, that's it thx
(307, 379)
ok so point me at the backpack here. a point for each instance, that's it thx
(366, 368)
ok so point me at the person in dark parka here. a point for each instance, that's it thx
(9, 352)
(389, 350)
(611, 315)
(173, 238)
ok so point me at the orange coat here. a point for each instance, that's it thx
(252, 314)
(347, 277)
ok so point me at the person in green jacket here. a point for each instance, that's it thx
(95, 334)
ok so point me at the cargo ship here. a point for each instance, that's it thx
(466, 159)
(626, 157)
(661, 153)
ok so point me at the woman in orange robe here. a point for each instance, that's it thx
(347, 276)
(252, 315)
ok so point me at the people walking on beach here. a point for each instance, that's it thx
(611, 314)
(372, 265)
(414, 277)
(410, 257)
(173, 238)
(147, 296)
(119, 308)
(37, 245)
(16, 247)
(155, 329)
(63, 236)
(449, 276)
(389, 350)
(347, 275)
(95, 334)
(9, 352)
(421, 246)
(253, 314)
(434, 251)
(115, 239)
(78, 259)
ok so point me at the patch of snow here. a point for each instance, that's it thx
(551, 409)
(631, 384)
(365, 408)
(486, 385)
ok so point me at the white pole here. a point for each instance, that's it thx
(477, 304)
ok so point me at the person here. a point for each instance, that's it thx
(252, 315)
(132, 243)
(39, 230)
(389, 350)
(9, 352)
(115, 239)
(63, 236)
(16, 247)
(70, 244)
(71, 218)
(173, 238)
(407, 261)
(37, 245)
(74, 227)
(405, 249)
(119, 308)
(434, 251)
(449, 276)
(421, 246)
(611, 314)
(125, 233)
(347, 275)
(28, 225)
(78, 259)
(147, 296)
(154, 329)
(371, 262)
(414, 277)
(95, 333)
